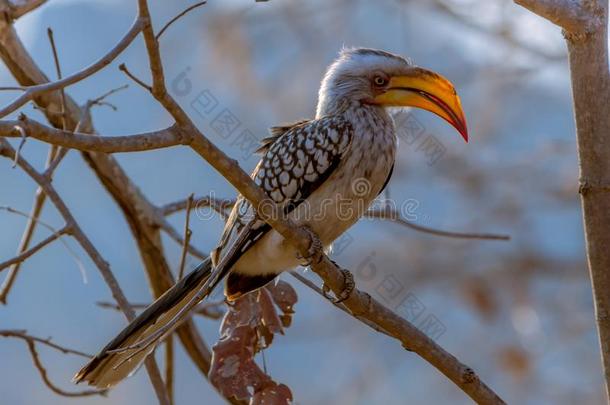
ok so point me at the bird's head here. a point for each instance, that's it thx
(369, 76)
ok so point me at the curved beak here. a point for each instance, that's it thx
(421, 88)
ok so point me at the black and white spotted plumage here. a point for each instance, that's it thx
(314, 170)
(294, 164)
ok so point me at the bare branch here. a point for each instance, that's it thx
(123, 68)
(217, 204)
(169, 368)
(358, 303)
(212, 309)
(176, 18)
(394, 216)
(363, 306)
(33, 91)
(22, 334)
(137, 210)
(62, 94)
(187, 236)
(163, 138)
(568, 14)
(221, 205)
(28, 233)
(31, 251)
(7, 150)
(312, 286)
(175, 236)
(23, 136)
(11, 88)
(31, 343)
(21, 7)
(502, 34)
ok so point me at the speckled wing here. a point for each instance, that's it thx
(293, 166)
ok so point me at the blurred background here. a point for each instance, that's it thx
(519, 312)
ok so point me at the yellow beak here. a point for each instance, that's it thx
(427, 90)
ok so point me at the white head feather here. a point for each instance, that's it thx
(348, 78)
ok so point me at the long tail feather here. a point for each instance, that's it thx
(109, 368)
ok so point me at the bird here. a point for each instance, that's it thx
(322, 173)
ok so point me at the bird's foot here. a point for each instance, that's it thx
(315, 250)
(348, 287)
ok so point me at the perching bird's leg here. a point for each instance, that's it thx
(348, 286)
(314, 252)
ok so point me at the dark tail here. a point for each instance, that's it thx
(107, 369)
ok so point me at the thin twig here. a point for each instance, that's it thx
(24, 137)
(62, 94)
(173, 20)
(109, 93)
(85, 115)
(187, 236)
(61, 153)
(20, 333)
(151, 365)
(28, 233)
(123, 68)
(389, 214)
(392, 215)
(31, 343)
(169, 368)
(217, 204)
(136, 208)
(205, 309)
(33, 91)
(31, 251)
(71, 252)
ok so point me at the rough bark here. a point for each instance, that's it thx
(585, 25)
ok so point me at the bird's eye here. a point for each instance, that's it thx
(380, 81)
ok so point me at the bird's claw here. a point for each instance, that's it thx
(314, 252)
(348, 287)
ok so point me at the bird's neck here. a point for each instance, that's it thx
(372, 122)
(350, 108)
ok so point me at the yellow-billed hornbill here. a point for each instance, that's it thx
(323, 173)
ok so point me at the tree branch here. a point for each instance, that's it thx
(31, 343)
(218, 205)
(570, 15)
(359, 303)
(31, 251)
(163, 138)
(187, 236)
(585, 24)
(394, 216)
(21, 7)
(35, 90)
(7, 150)
(141, 215)
(176, 18)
